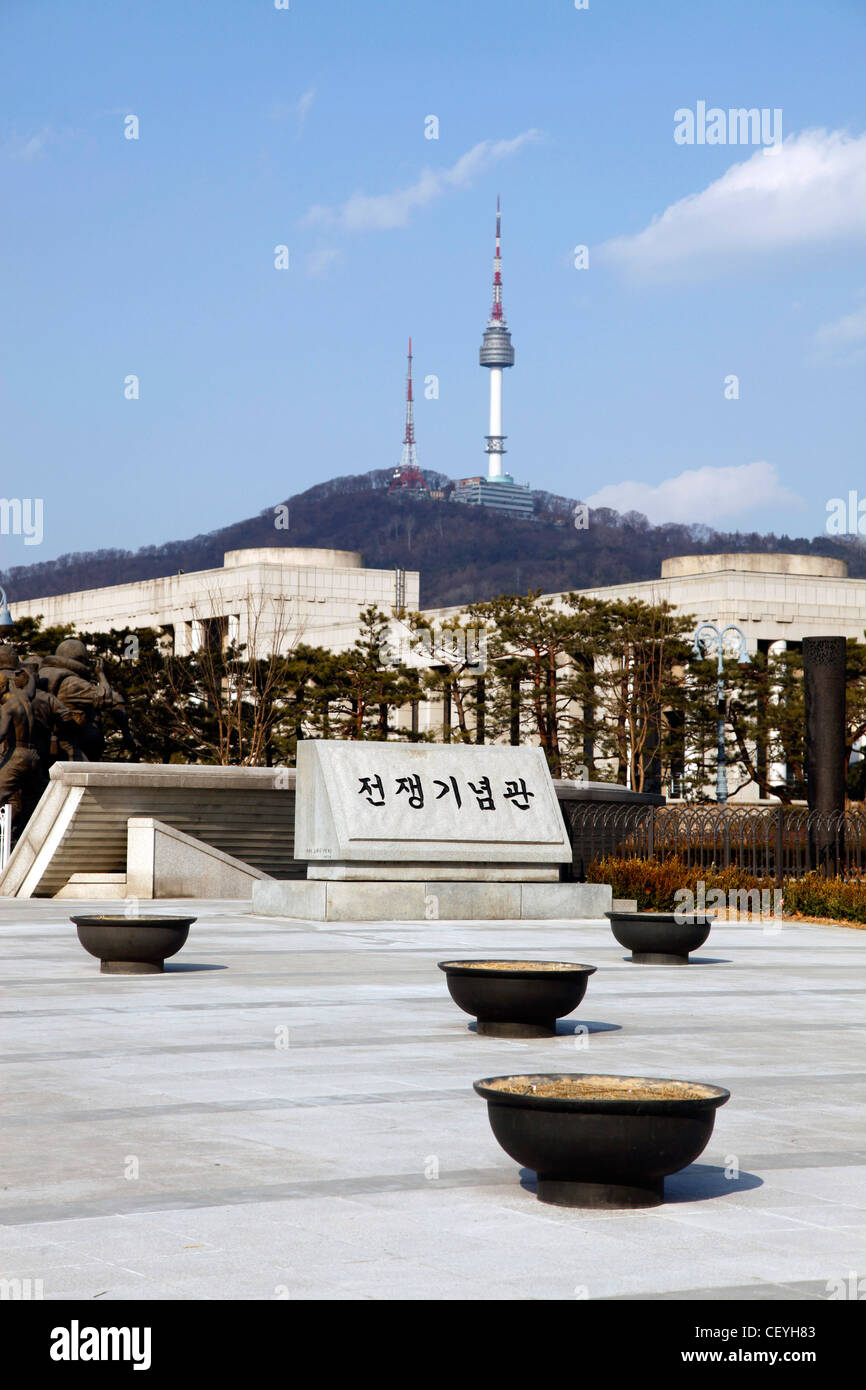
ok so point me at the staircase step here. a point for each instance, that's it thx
(90, 885)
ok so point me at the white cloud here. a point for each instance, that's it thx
(844, 340)
(294, 110)
(710, 495)
(321, 260)
(28, 147)
(383, 211)
(302, 109)
(808, 191)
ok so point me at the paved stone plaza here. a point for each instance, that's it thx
(309, 1170)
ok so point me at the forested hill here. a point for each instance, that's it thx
(463, 553)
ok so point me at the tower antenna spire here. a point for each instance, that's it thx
(496, 313)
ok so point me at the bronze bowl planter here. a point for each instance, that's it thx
(516, 998)
(661, 938)
(601, 1141)
(132, 945)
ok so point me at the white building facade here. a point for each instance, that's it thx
(775, 599)
(271, 599)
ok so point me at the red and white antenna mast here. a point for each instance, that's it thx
(409, 475)
(409, 457)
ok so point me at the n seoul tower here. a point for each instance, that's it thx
(496, 352)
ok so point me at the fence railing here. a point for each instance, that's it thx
(772, 841)
(5, 835)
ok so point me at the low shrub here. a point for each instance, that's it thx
(843, 899)
(654, 883)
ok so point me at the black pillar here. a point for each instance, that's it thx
(299, 713)
(480, 708)
(515, 710)
(585, 660)
(824, 662)
(652, 761)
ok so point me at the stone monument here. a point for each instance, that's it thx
(407, 832)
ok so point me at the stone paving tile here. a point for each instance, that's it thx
(759, 1291)
(302, 1172)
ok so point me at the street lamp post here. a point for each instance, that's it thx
(699, 647)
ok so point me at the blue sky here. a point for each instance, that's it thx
(305, 127)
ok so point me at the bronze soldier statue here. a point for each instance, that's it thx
(21, 781)
(81, 686)
(52, 720)
(49, 709)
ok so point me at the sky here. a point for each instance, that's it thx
(163, 373)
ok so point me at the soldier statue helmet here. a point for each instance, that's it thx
(70, 649)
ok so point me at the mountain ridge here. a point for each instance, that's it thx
(464, 554)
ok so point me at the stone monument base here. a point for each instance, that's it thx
(318, 900)
(365, 871)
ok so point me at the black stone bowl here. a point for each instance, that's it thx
(661, 938)
(605, 1141)
(132, 945)
(516, 999)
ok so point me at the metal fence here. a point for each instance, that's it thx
(773, 841)
(5, 835)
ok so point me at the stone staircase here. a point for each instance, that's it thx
(77, 836)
